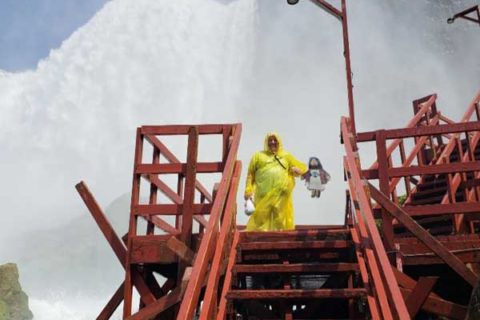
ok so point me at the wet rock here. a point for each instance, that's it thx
(13, 301)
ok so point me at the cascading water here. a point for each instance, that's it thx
(171, 61)
(136, 62)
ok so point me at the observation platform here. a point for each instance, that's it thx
(409, 247)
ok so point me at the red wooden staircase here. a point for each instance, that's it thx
(185, 257)
(302, 274)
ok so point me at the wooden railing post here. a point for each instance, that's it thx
(384, 182)
(189, 195)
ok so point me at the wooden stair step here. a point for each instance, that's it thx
(429, 200)
(289, 245)
(296, 294)
(296, 268)
(299, 255)
(293, 235)
(430, 192)
(437, 183)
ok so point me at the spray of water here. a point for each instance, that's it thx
(155, 62)
(74, 117)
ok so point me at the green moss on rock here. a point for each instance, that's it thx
(4, 312)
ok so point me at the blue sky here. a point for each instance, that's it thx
(30, 28)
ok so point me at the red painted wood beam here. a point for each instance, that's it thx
(435, 169)
(163, 225)
(227, 283)
(112, 304)
(419, 294)
(424, 236)
(385, 281)
(189, 192)
(440, 307)
(183, 129)
(296, 294)
(160, 305)
(440, 209)
(297, 268)
(170, 209)
(130, 271)
(292, 234)
(210, 299)
(112, 238)
(372, 302)
(171, 168)
(291, 245)
(156, 143)
(422, 131)
(164, 188)
(205, 251)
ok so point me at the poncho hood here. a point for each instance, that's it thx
(280, 144)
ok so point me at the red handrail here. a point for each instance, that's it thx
(205, 253)
(385, 287)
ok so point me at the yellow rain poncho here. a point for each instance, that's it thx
(271, 180)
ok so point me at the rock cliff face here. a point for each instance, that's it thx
(13, 301)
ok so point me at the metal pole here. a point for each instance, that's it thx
(348, 67)
(342, 16)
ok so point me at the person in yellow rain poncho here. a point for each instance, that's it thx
(270, 182)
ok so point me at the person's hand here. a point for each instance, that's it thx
(296, 171)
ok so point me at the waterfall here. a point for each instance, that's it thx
(74, 118)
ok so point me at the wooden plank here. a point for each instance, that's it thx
(288, 245)
(379, 287)
(439, 209)
(164, 188)
(204, 254)
(422, 131)
(153, 192)
(419, 294)
(465, 257)
(189, 193)
(423, 235)
(182, 129)
(151, 249)
(370, 174)
(181, 250)
(292, 235)
(406, 282)
(162, 304)
(170, 209)
(386, 281)
(171, 168)
(112, 304)
(107, 230)
(384, 183)
(372, 302)
(210, 299)
(435, 169)
(132, 228)
(163, 225)
(273, 256)
(171, 157)
(296, 294)
(227, 283)
(452, 245)
(112, 238)
(297, 268)
(440, 307)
